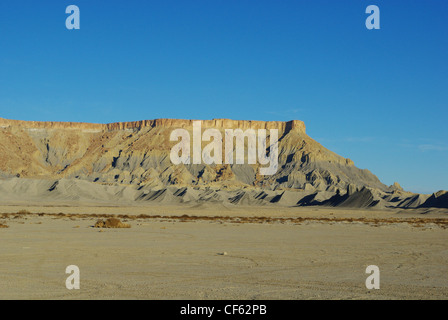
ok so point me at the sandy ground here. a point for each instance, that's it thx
(173, 258)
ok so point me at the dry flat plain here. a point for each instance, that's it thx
(219, 252)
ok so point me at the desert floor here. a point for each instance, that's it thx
(175, 252)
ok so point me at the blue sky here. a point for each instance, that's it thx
(379, 97)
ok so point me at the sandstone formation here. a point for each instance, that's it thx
(130, 161)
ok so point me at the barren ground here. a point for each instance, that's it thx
(174, 252)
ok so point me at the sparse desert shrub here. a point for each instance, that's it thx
(24, 212)
(111, 223)
(3, 226)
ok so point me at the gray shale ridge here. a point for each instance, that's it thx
(129, 163)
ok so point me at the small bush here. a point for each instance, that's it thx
(111, 223)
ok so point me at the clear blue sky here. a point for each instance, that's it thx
(379, 97)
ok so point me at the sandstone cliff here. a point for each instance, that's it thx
(136, 155)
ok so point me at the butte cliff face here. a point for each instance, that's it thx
(136, 155)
